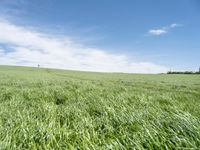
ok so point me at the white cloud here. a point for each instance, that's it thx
(29, 47)
(163, 30)
(157, 31)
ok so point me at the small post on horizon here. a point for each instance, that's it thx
(38, 65)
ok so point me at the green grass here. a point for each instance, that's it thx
(57, 109)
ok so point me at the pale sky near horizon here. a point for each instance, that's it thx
(136, 36)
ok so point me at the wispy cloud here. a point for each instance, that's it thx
(163, 30)
(30, 47)
(157, 31)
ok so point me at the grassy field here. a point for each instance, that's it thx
(57, 109)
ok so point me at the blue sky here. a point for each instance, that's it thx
(101, 35)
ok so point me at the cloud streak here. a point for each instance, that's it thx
(163, 30)
(30, 47)
(157, 31)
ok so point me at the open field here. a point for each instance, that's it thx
(57, 109)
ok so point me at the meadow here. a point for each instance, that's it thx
(59, 109)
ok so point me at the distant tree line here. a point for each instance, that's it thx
(185, 72)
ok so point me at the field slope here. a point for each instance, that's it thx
(57, 109)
